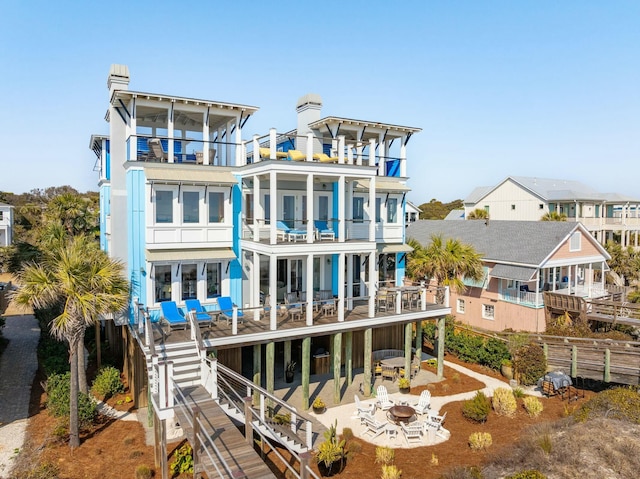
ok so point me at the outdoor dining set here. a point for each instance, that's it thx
(401, 417)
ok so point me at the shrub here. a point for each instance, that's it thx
(533, 406)
(404, 383)
(479, 441)
(518, 393)
(390, 472)
(504, 402)
(528, 474)
(107, 383)
(58, 391)
(347, 434)
(182, 460)
(331, 450)
(494, 352)
(353, 447)
(143, 472)
(384, 455)
(621, 403)
(530, 364)
(477, 409)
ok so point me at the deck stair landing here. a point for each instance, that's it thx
(240, 457)
(185, 358)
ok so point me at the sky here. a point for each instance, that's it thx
(500, 88)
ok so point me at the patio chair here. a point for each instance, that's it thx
(424, 402)
(296, 155)
(155, 150)
(412, 432)
(226, 309)
(383, 402)
(324, 158)
(266, 307)
(434, 418)
(171, 315)
(323, 231)
(265, 153)
(373, 426)
(377, 369)
(363, 409)
(286, 233)
(389, 372)
(415, 367)
(294, 306)
(204, 318)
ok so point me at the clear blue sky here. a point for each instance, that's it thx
(533, 88)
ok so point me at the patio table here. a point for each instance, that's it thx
(399, 414)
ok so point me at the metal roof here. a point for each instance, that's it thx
(189, 254)
(383, 183)
(509, 271)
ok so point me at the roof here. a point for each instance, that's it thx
(189, 254)
(192, 174)
(455, 215)
(411, 206)
(551, 190)
(384, 183)
(5, 205)
(122, 94)
(509, 271)
(350, 124)
(525, 243)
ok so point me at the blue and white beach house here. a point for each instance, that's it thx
(293, 243)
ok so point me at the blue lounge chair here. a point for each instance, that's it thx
(172, 315)
(226, 309)
(323, 231)
(286, 233)
(203, 317)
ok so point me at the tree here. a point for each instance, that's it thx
(478, 214)
(553, 216)
(85, 283)
(445, 262)
(436, 210)
(625, 262)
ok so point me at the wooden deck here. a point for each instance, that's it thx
(252, 332)
(240, 457)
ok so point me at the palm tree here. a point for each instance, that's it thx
(478, 214)
(84, 282)
(446, 262)
(553, 216)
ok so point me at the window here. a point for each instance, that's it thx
(486, 208)
(513, 207)
(189, 281)
(460, 306)
(392, 210)
(488, 311)
(378, 206)
(1, 215)
(575, 241)
(164, 206)
(358, 209)
(216, 207)
(190, 207)
(267, 209)
(248, 207)
(323, 208)
(213, 279)
(541, 206)
(162, 277)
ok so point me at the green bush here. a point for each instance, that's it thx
(58, 401)
(504, 402)
(528, 474)
(107, 383)
(493, 353)
(621, 403)
(477, 409)
(182, 460)
(530, 364)
(533, 406)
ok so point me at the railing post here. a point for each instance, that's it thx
(294, 423)
(248, 425)
(256, 149)
(169, 381)
(234, 320)
(154, 373)
(574, 361)
(607, 365)
(304, 465)
(447, 296)
(162, 385)
(545, 350)
(196, 442)
(309, 435)
(214, 378)
(398, 302)
(423, 299)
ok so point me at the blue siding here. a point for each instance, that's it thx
(286, 145)
(108, 160)
(105, 195)
(393, 167)
(326, 149)
(136, 235)
(235, 268)
(401, 260)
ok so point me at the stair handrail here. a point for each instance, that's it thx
(144, 328)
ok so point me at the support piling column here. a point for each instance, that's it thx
(257, 370)
(337, 362)
(270, 366)
(368, 334)
(441, 333)
(419, 340)
(348, 357)
(306, 366)
(408, 333)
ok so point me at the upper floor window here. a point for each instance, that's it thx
(323, 208)
(164, 206)
(190, 207)
(378, 210)
(541, 206)
(486, 208)
(513, 207)
(575, 243)
(392, 210)
(162, 277)
(460, 306)
(248, 207)
(267, 209)
(216, 207)
(358, 209)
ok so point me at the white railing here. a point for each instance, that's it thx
(526, 298)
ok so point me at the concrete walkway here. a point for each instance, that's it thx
(18, 366)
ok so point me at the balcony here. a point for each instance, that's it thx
(185, 150)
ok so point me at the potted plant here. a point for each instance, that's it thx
(318, 405)
(506, 368)
(331, 455)
(404, 384)
(288, 372)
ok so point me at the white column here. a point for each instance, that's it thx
(256, 149)
(590, 284)
(309, 147)
(341, 287)
(239, 159)
(256, 208)
(350, 154)
(359, 154)
(309, 289)
(133, 142)
(205, 137)
(341, 149)
(372, 152)
(255, 276)
(229, 155)
(349, 214)
(554, 279)
(273, 292)
(310, 202)
(372, 209)
(341, 199)
(273, 211)
(403, 157)
(373, 277)
(381, 153)
(170, 133)
(221, 148)
(349, 260)
(272, 143)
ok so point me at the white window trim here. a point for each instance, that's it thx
(578, 235)
(484, 312)
(460, 302)
(175, 207)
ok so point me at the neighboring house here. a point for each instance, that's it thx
(6, 224)
(522, 259)
(195, 211)
(455, 215)
(528, 199)
(411, 214)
